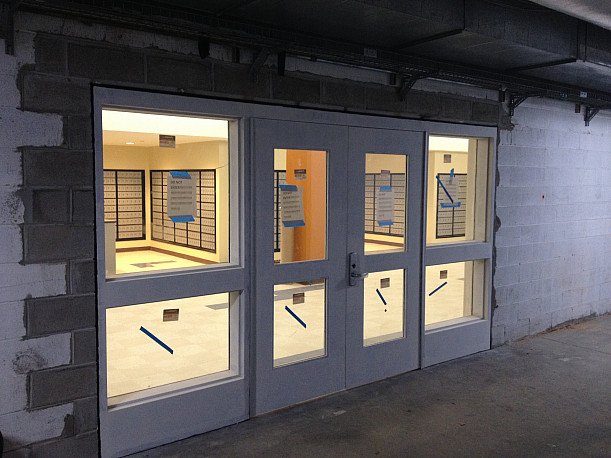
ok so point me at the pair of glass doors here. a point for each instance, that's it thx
(343, 275)
(247, 263)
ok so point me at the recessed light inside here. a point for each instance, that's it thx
(129, 143)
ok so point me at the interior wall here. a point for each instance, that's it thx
(286, 238)
(201, 155)
(310, 240)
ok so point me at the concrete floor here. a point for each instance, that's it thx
(544, 396)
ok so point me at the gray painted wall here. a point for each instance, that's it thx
(553, 201)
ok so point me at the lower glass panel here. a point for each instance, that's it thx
(157, 343)
(299, 321)
(454, 291)
(383, 307)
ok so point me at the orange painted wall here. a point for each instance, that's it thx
(309, 240)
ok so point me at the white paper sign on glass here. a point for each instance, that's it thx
(291, 205)
(385, 206)
(450, 190)
(182, 197)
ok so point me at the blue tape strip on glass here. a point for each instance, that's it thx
(286, 307)
(380, 294)
(438, 288)
(451, 175)
(456, 205)
(150, 334)
(182, 219)
(287, 187)
(177, 174)
(295, 223)
(385, 223)
(446, 191)
(385, 188)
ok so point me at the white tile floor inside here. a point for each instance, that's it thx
(147, 260)
(199, 338)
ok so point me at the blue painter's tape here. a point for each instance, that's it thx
(286, 307)
(444, 188)
(456, 205)
(380, 294)
(295, 223)
(148, 333)
(182, 219)
(451, 175)
(385, 188)
(177, 174)
(385, 223)
(438, 288)
(309, 283)
(287, 187)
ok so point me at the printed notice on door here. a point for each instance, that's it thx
(291, 206)
(385, 206)
(182, 197)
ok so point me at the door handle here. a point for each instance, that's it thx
(354, 269)
(361, 275)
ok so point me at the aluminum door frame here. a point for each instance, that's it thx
(444, 343)
(243, 112)
(200, 404)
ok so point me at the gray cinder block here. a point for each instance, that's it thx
(59, 314)
(56, 386)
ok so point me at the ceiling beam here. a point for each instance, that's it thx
(430, 38)
(570, 60)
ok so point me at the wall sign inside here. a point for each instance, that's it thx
(170, 314)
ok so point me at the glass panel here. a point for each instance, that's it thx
(166, 191)
(385, 202)
(383, 307)
(457, 189)
(300, 210)
(299, 321)
(454, 292)
(157, 343)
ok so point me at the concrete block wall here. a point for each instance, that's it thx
(25, 420)
(553, 201)
(47, 302)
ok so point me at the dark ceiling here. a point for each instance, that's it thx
(521, 45)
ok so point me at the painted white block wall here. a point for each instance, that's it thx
(554, 203)
(17, 281)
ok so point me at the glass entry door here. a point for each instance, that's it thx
(383, 230)
(321, 324)
(301, 267)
